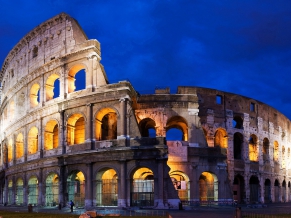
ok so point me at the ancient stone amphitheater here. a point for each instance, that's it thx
(105, 144)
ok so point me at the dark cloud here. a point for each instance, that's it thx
(235, 46)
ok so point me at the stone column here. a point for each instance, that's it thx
(122, 131)
(159, 184)
(62, 131)
(62, 186)
(13, 149)
(122, 189)
(41, 190)
(89, 186)
(25, 144)
(40, 139)
(89, 76)
(6, 191)
(63, 82)
(89, 124)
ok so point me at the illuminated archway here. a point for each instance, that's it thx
(33, 190)
(32, 140)
(50, 86)
(276, 151)
(51, 135)
(76, 188)
(10, 150)
(179, 123)
(106, 124)
(79, 68)
(19, 192)
(34, 95)
(19, 146)
(142, 188)
(52, 190)
(106, 188)
(253, 148)
(220, 138)
(76, 129)
(266, 152)
(146, 125)
(10, 192)
(208, 187)
(181, 183)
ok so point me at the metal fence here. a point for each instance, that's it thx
(160, 213)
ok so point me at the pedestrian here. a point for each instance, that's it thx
(72, 205)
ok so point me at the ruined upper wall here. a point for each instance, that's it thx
(50, 40)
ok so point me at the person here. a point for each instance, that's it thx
(71, 205)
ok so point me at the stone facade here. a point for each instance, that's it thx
(104, 144)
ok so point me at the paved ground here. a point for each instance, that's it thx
(207, 212)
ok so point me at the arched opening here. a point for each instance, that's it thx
(52, 190)
(11, 110)
(142, 188)
(19, 192)
(146, 127)
(208, 187)
(284, 191)
(237, 146)
(19, 146)
(32, 190)
(76, 78)
(174, 134)
(34, 95)
(52, 87)
(237, 122)
(267, 196)
(76, 129)
(10, 192)
(254, 189)
(277, 191)
(181, 183)
(253, 148)
(106, 124)
(106, 188)
(238, 189)
(76, 188)
(51, 139)
(220, 138)
(276, 151)
(266, 146)
(180, 124)
(32, 140)
(10, 150)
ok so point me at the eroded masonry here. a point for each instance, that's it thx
(104, 144)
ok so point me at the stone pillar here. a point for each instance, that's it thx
(25, 143)
(41, 191)
(62, 131)
(62, 186)
(122, 189)
(89, 124)
(94, 72)
(122, 127)
(262, 190)
(89, 187)
(159, 185)
(63, 83)
(40, 139)
(13, 149)
(6, 191)
(89, 76)
(247, 188)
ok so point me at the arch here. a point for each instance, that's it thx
(51, 139)
(76, 129)
(276, 151)
(32, 140)
(10, 150)
(11, 110)
(182, 184)
(50, 86)
(237, 122)
(106, 187)
(106, 124)
(142, 188)
(238, 189)
(180, 123)
(284, 191)
(34, 95)
(267, 195)
(10, 192)
(72, 77)
(76, 188)
(52, 189)
(253, 148)
(19, 191)
(254, 189)
(220, 138)
(266, 149)
(277, 190)
(208, 187)
(145, 125)
(237, 145)
(19, 146)
(33, 190)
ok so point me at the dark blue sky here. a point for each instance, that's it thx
(238, 46)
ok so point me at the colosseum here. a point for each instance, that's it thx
(105, 144)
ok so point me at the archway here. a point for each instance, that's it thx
(266, 145)
(10, 150)
(76, 129)
(10, 192)
(284, 191)
(181, 183)
(76, 73)
(177, 122)
(52, 190)
(142, 188)
(106, 188)
(237, 146)
(277, 191)
(33, 191)
(32, 140)
(19, 146)
(52, 84)
(76, 188)
(19, 192)
(253, 148)
(34, 95)
(254, 189)
(146, 126)
(51, 135)
(238, 189)
(208, 187)
(267, 196)
(106, 124)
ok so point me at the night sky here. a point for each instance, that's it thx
(237, 46)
